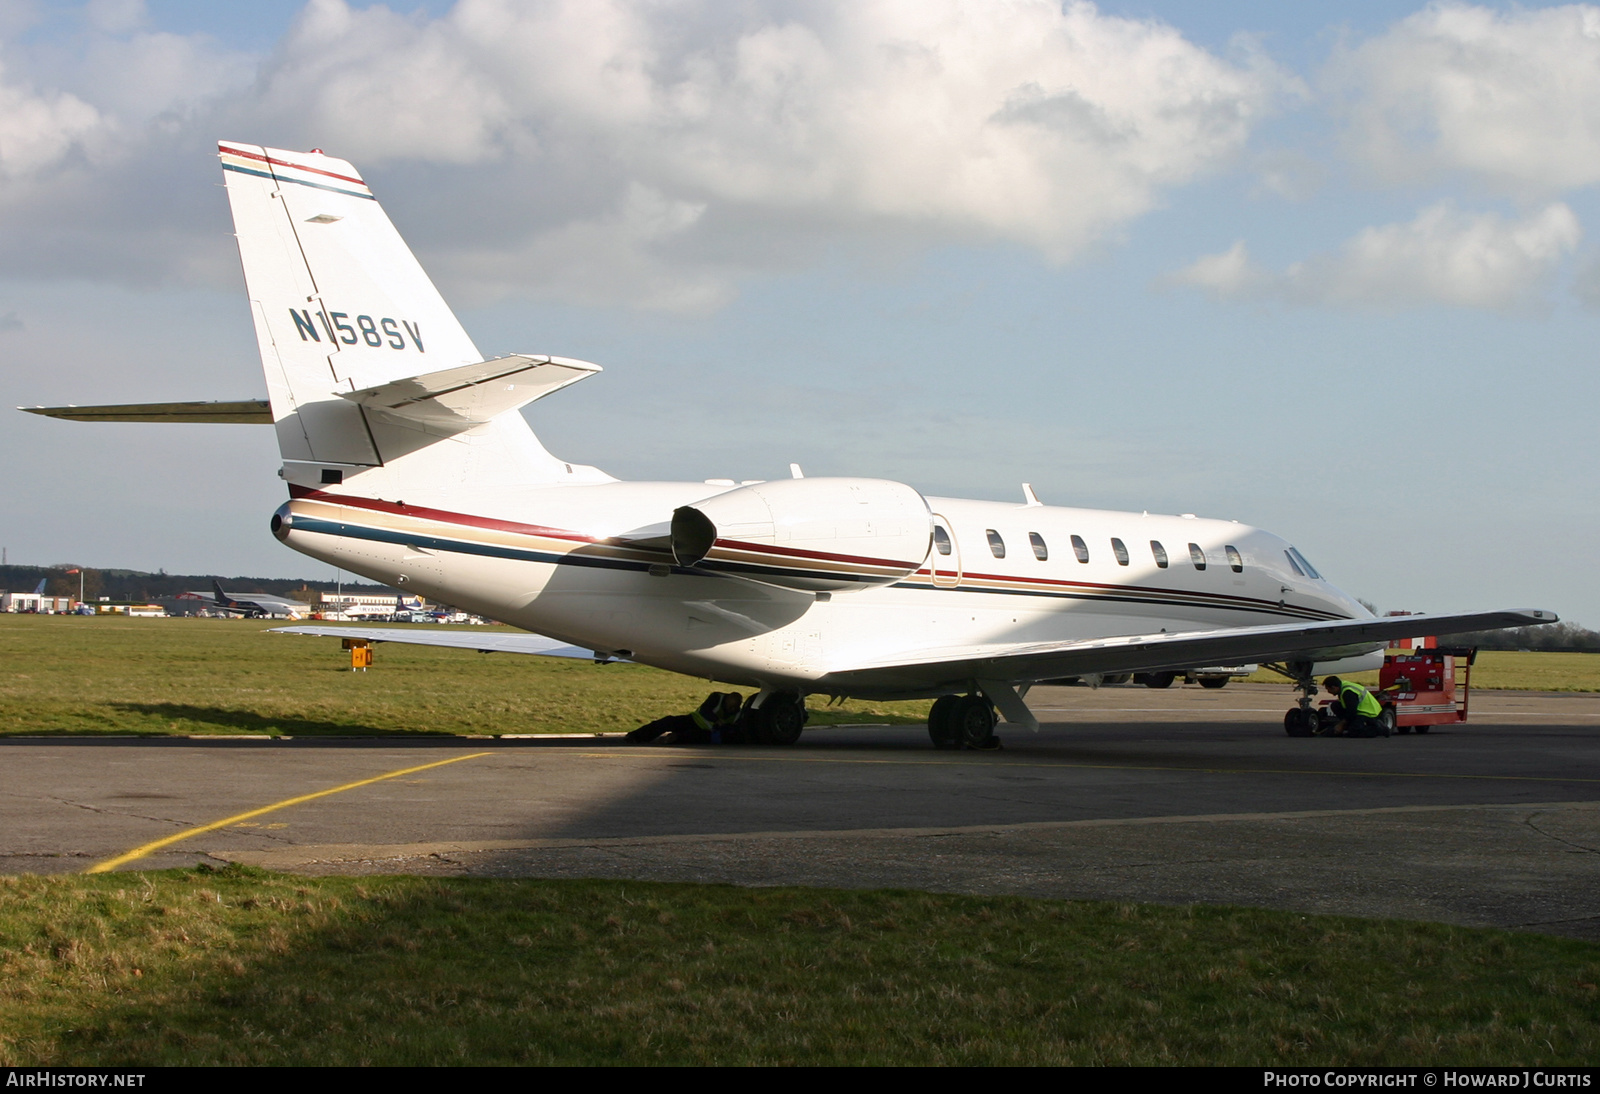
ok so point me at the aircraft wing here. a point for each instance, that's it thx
(238, 412)
(461, 638)
(1023, 662)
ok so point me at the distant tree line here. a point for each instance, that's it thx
(1548, 636)
(140, 586)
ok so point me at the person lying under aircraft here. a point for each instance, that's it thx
(407, 461)
(712, 722)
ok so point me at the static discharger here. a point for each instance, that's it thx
(360, 653)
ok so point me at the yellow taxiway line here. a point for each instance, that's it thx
(142, 851)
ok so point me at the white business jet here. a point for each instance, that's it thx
(407, 461)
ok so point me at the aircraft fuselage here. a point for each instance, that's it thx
(569, 563)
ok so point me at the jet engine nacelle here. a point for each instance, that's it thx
(818, 535)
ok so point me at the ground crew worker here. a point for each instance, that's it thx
(1358, 710)
(704, 725)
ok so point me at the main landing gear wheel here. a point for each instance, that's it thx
(942, 721)
(1213, 681)
(779, 720)
(1300, 722)
(974, 722)
(1159, 679)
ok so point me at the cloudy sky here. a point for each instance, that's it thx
(1327, 269)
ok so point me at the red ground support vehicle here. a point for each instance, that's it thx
(1423, 687)
(1431, 686)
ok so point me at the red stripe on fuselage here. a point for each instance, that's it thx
(795, 552)
(1211, 599)
(441, 515)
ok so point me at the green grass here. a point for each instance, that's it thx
(244, 967)
(110, 675)
(1538, 671)
(1504, 670)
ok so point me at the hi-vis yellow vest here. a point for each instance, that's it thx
(1367, 706)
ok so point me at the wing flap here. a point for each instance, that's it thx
(237, 412)
(1026, 662)
(461, 638)
(472, 394)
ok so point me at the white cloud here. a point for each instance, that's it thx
(788, 127)
(1510, 97)
(38, 130)
(1227, 275)
(592, 258)
(1444, 256)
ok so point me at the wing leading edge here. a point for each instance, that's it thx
(931, 670)
(238, 412)
(461, 638)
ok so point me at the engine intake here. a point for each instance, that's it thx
(817, 535)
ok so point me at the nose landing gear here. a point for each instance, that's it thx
(1302, 720)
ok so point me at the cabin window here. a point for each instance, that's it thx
(1080, 548)
(1235, 559)
(997, 546)
(1159, 553)
(1293, 565)
(1040, 551)
(1310, 570)
(941, 540)
(1120, 549)
(1197, 556)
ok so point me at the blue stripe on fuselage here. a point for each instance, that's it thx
(572, 558)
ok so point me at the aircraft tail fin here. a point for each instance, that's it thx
(222, 598)
(42, 583)
(344, 313)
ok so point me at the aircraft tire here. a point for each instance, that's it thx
(1116, 678)
(1300, 723)
(941, 721)
(1159, 679)
(974, 722)
(1213, 681)
(780, 720)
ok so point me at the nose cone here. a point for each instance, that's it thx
(281, 522)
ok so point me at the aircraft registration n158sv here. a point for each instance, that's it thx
(408, 461)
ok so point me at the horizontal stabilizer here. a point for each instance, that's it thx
(461, 638)
(1030, 661)
(240, 412)
(471, 394)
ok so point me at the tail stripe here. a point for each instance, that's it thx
(254, 161)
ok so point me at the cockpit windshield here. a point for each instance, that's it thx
(1298, 561)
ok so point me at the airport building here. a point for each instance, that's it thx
(35, 603)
